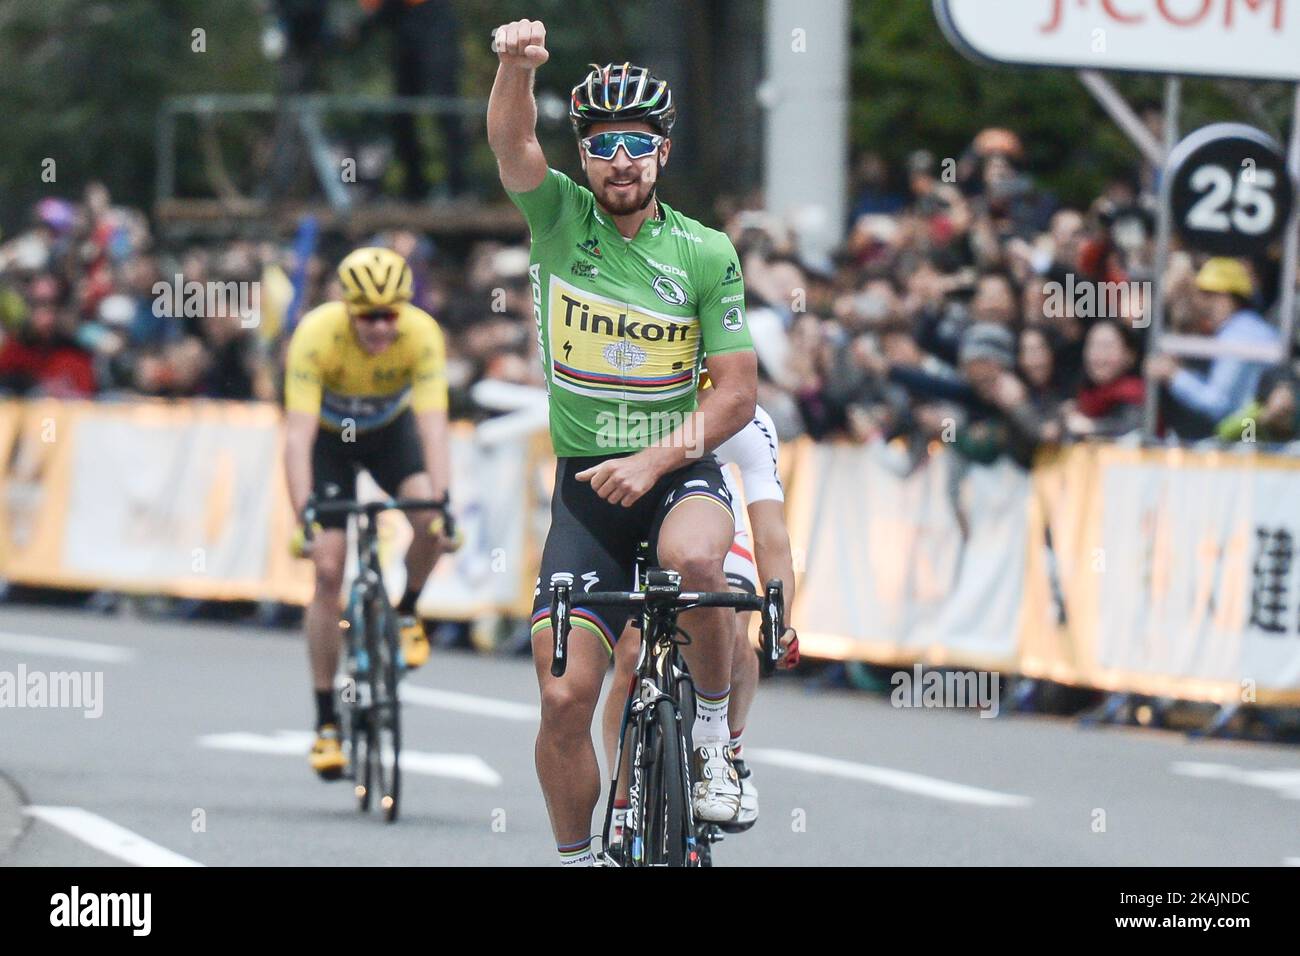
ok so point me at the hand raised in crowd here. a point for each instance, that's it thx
(1076, 423)
(931, 420)
(1008, 391)
(863, 424)
(869, 357)
(1161, 368)
(1279, 409)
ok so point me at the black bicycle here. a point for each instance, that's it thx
(371, 712)
(659, 828)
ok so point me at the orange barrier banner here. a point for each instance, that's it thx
(1169, 572)
(188, 499)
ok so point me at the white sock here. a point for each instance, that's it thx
(711, 719)
(620, 817)
(577, 854)
(736, 737)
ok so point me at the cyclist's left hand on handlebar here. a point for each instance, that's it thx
(299, 545)
(790, 645)
(621, 481)
(446, 542)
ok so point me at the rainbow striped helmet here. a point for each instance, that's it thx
(621, 91)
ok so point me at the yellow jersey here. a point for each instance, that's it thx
(329, 374)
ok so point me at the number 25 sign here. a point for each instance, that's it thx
(1229, 190)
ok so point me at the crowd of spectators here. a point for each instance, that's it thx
(966, 306)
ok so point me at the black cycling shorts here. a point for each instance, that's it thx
(592, 544)
(391, 453)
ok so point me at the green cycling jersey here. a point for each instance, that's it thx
(623, 324)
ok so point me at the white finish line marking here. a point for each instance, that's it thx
(886, 777)
(63, 647)
(107, 837)
(296, 743)
(1286, 783)
(470, 704)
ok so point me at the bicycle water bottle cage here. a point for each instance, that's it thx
(659, 581)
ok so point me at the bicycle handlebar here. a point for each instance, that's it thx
(370, 509)
(664, 594)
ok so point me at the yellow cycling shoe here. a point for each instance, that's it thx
(327, 753)
(415, 643)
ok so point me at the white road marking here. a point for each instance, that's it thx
(886, 777)
(1291, 861)
(63, 647)
(1286, 783)
(470, 704)
(107, 837)
(296, 743)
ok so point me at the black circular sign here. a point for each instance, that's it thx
(1229, 190)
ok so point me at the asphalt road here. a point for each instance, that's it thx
(198, 757)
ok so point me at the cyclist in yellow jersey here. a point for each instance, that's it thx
(365, 387)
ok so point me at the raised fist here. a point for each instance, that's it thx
(521, 43)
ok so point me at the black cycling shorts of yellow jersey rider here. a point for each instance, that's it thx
(592, 543)
(391, 453)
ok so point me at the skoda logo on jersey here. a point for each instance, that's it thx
(669, 291)
(734, 320)
(624, 356)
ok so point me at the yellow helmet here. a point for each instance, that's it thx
(374, 277)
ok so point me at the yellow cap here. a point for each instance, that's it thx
(1225, 275)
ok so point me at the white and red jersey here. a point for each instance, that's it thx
(754, 451)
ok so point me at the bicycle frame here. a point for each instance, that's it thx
(656, 678)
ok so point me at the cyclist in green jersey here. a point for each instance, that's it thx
(629, 297)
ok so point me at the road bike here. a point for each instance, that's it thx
(659, 826)
(370, 711)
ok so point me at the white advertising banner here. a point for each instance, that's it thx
(1248, 39)
(1199, 573)
(900, 567)
(168, 500)
(493, 496)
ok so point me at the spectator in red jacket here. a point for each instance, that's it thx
(1109, 403)
(41, 359)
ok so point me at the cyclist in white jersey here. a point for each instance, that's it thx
(754, 452)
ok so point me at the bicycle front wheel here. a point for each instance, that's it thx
(386, 740)
(354, 709)
(667, 808)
